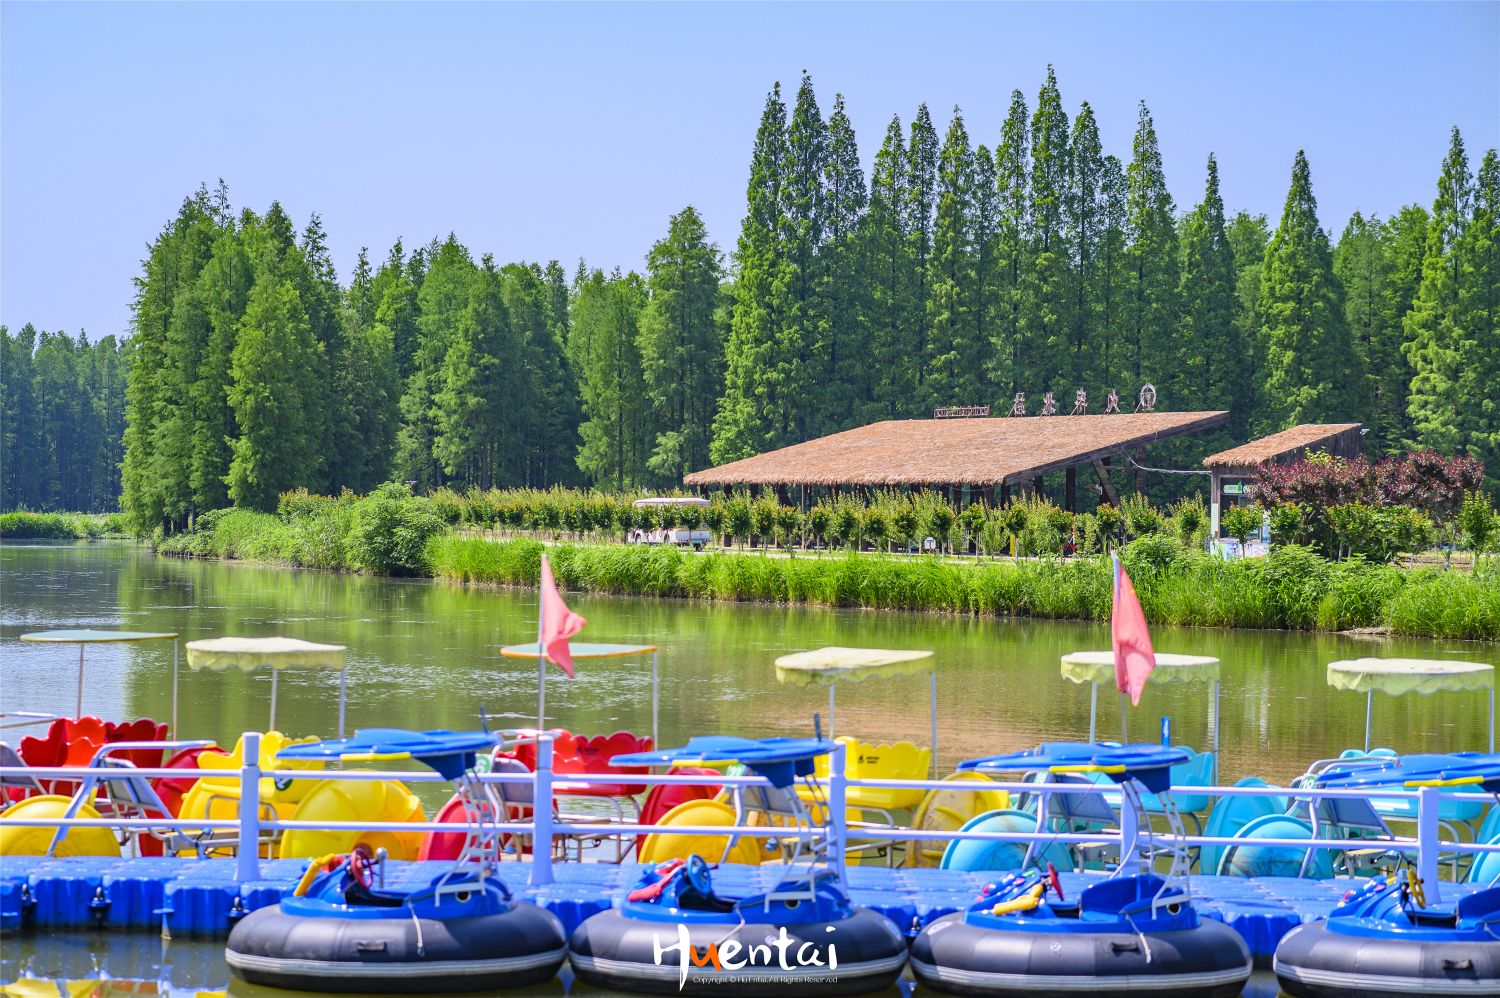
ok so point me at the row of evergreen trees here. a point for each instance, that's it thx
(256, 372)
(953, 275)
(962, 275)
(62, 415)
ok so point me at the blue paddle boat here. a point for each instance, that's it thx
(674, 933)
(1385, 939)
(344, 930)
(1136, 931)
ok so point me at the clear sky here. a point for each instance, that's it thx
(537, 131)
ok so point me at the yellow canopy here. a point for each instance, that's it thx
(827, 666)
(1099, 667)
(249, 654)
(1399, 676)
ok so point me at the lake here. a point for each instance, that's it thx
(424, 654)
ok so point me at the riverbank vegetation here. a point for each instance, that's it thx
(24, 525)
(393, 532)
(955, 272)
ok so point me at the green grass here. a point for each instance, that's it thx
(62, 526)
(1292, 588)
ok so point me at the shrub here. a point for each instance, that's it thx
(1152, 553)
(1109, 520)
(820, 522)
(1478, 521)
(1242, 521)
(391, 529)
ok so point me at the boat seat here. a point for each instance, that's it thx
(871, 761)
(1478, 908)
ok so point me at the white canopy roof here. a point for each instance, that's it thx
(827, 666)
(1399, 676)
(249, 654)
(1099, 667)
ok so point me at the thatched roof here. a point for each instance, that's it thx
(1328, 436)
(1000, 451)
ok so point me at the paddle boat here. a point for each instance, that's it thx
(1388, 938)
(1133, 931)
(675, 933)
(344, 929)
(903, 760)
(1290, 816)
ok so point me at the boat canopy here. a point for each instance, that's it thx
(1099, 667)
(276, 654)
(833, 665)
(580, 649)
(249, 654)
(86, 636)
(584, 649)
(827, 666)
(1400, 676)
(83, 637)
(448, 752)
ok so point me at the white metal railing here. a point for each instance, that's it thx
(546, 826)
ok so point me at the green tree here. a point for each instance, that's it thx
(955, 354)
(1249, 235)
(753, 411)
(1436, 338)
(20, 422)
(1012, 230)
(1210, 348)
(889, 375)
(682, 346)
(616, 432)
(271, 393)
(843, 293)
(1151, 308)
(1085, 224)
(921, 205)
(1046, 287)
(1311, 375)
(446, 277)
(474, 407)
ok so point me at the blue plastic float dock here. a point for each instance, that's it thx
(201, 897)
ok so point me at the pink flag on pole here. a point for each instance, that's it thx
(557, 623)
(1134, 657)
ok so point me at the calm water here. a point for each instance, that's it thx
(426, 655)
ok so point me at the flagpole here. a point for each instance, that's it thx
(541, 661)
(1124, 733)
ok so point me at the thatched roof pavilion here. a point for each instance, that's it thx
(1340, 439)
(955, 452)
(1233, 469)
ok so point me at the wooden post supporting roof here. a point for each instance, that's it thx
(1070, 490)
(1104, 482)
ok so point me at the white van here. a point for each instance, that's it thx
(697, 537)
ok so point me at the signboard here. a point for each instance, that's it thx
(1234, 488)
(960, 411)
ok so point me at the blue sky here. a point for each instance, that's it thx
(568, 130)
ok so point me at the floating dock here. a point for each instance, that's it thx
(201, 898)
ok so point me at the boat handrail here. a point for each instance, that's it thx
(544, 827)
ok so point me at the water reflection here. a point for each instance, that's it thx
(424, 654)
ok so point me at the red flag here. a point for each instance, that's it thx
(557, 623)
(1134, 657)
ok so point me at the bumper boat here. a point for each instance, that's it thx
(343, 930)
(675, 934)
(1385, 939)
(1133, 932)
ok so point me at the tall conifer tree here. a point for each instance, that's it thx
(1310, 371)
(1151, 308)
(753, 408)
